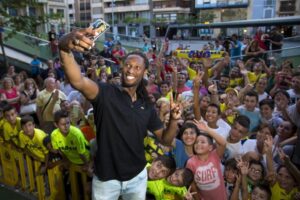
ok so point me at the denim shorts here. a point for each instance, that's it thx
(133, 189)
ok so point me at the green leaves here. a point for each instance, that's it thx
(24, 16)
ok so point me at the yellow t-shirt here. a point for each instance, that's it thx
(230, 118)
(12, 133)
(152, 148)
(107, 69)
(253, 77)
(236, 82)
(280, 194)
(72, 145)
(162, 190)
(1, 130)
(192, 73)
(34, 145)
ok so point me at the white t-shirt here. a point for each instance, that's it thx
(262, 96)
(293, 96)
(233, 150)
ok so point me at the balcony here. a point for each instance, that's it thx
(171, 9)
(269, 3)
(287, 6)
(42, 1)
(223, 4)
(129, 8)
(109, 1)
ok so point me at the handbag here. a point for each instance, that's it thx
(28, 109)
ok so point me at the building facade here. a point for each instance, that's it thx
(209, 11)
(288, 8)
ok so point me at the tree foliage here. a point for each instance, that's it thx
(22, 21)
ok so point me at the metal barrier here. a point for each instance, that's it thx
(20, 170)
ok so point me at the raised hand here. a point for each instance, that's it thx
(213, 89)
(201, 125)
(268, 144)
(55, 95)
(242, 67)
(282, 155)
(243, 166)
(189, 195)
(78, 40)
(175, 113)
(207, 62)
(198, 79)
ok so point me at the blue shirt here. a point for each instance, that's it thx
(180, 155)
(236, 49)
(35, 66)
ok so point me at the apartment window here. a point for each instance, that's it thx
(141, 1)
(158, 16)
(12, 12)
(269, 2)
(287, 6)
(61, 12)
(268, 13)
(97, 10)
(51, 11)
(173, 16)
(70, 6)
(71, 15)
(85, 16)
(85, 6)
(32, 11)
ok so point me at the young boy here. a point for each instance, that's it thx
(249, 109)
(266, 107)
(69, 140)
(11, 125)
(230, 173)
(31, 139)
(239, 130)
(173, 187)
(161, 167)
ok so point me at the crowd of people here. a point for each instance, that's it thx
(147, 123)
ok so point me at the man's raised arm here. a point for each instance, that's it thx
(77, 40)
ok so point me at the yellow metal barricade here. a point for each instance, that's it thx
(56, 185)
(9, 167)
(20, 169)
(74, 171)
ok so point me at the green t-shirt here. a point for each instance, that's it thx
(72, 145)
(162, 190)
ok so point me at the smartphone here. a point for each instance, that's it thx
(100, 26)
(75, 111)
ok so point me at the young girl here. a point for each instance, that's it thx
(206, 164)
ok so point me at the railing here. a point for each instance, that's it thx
(31, 45)
(291, 53)
(224, 4)
(28, 44)
(19, 170)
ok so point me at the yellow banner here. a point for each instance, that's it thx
(197, 55)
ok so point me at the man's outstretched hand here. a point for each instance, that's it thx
(77, 40)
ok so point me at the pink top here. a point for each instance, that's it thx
(152, 89)
(208, 176)
(183, 89)
(11, 95)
